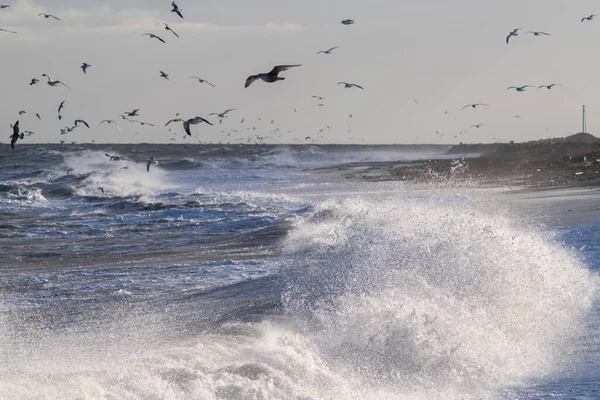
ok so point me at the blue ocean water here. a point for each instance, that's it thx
(277, 272)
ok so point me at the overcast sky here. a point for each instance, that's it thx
(442, 54)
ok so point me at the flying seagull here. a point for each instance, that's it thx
(176, 9)
(15, 136)
(318, 97)
(591, 17)
(168, 28)
(110, 121)
(80, 121)
(519, 88)
(270, 76)
(101, 189)
(115, 158)
(22, 112)
(153, 36)
(164, 75)
(549, 86)
(133, 113)
(6, 30)
(200, 80)
(349, 85)
(513, 33)
(224, 113)
(33, 81)
(38, 116)
(151, 161)
(84, 67)
(328, 51)
(348, 22)
(476, 126)
(48, 16)
(61, 106)
(475, 105)
(535, 33)
(3, 6)
(54, 83)
(193, 121)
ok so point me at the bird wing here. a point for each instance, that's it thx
(209, 83)
(250, 80)
(81, 121)
(56, 18)
(148, 165)
(508, 38)
(228, 110)
(179, 13)
(101, 122)
(358, 86)
(174, 120)
(16, 128)
(159, 38)
(5, 30)
(186, 127)
(205, 120)
(333, 48)
(171, 29)
(280, 68)
(64, 85)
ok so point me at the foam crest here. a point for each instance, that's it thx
(435, 295)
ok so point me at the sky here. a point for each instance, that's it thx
(419, 62)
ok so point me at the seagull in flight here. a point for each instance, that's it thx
(168, 28)
(318, 97)
(591, 17)
(48, 16)
(133, 113)
(349, 85)
(3, 6)
(328, 51)
(22, 112)
(200, 80)
(513, 33)
(549, 86)
(80, 121)
(151, 161)
(153, 36)
(84, 67)
(193, 121)
(61, 106)
(519, 88)
(33, 81)
(475, 105)
(38, 116)
(164, 75)
(348, 22)
(115, 158)
(6, 30)
(271, 76)
(224, 113)
(536, 33)
(110, 121)
(54, 83)
(15, 136)
(176, 9)
(476, 126)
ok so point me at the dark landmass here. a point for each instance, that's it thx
(571, 161)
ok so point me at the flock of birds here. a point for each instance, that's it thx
(272, 76)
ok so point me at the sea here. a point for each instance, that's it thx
(288, 272)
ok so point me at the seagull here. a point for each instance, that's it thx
(176, 9)
(142, 122)
(115, 158)
(153, 36)
(476, 126)
(513, 33)
(535, 33)
(29, 133)
(22, 112)
(318, 97)
(549, 86)
(48, 16)
(150, 162)
(54, 83)
(15, 136)
(133, 113)
(200, 80)
(328, 51)
(110, 121)
(475, 105)
(519, 88)
(80, 121)
(164, 75)
(3, 6)
(84, 67)
(101, 189)
(348, 22)
(33, 81)
(193, 121)
(38, 116)
(271, 76)
(174, 120)
(62, 104)
(224, 113)
(591, 17)
(348, 85)
(6, 30)
(168, 28)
